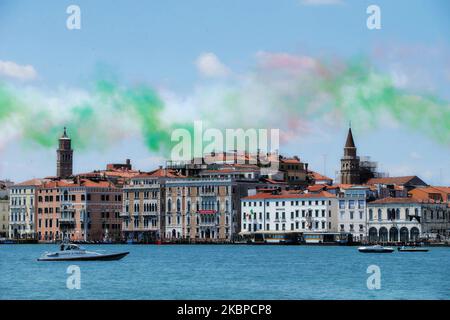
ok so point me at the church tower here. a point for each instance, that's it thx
(350, 173)
(64, 157)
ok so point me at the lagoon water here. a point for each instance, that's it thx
(226, 272)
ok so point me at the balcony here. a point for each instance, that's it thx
(124, 214)
(149, 213)
(66, 220)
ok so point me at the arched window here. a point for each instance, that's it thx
(178, 205)
(379, 214)
(370, 214)
(169, 205)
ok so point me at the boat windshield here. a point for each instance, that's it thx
(67, 247)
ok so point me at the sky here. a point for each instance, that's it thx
(138, 70)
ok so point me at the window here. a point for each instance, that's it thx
(351, 204)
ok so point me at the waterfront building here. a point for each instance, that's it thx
(166, 205)
(48, 212)
(22, 209)
(312, 214)
(406, 220)
(90, 210)
(200, 209)
(79, 210)
(143, 204)
(4, 217)
(352, 219)
(64, 156)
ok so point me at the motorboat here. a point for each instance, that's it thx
(411, 249)
(73, 252)
(376, 249)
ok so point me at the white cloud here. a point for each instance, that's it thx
(209, 65)
(320, 2)
(415, 155)
(13, 70)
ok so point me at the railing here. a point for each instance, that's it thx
(64, 220)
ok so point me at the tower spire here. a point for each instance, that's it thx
(350, 143)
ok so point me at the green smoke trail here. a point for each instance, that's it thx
(365, 96)
(353, 90)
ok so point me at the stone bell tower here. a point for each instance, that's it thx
(350, 173)
(64, 160)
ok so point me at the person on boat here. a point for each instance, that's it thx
(62, 247)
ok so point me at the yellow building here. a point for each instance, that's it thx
(4, 217)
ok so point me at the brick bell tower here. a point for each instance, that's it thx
(350, 173)
(64, 157)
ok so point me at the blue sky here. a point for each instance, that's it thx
(159, 42)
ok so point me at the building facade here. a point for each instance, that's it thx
(352, 218)
(306, 213)
(394, 220)
(22, 209)
(4, 217)
(82, 210)
(143, 202)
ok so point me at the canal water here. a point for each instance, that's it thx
(226, 272)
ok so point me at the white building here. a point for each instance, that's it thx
(394, 220)
(352, 218)
(22, 197)
(308, 213)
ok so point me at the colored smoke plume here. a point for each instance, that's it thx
(282, 91)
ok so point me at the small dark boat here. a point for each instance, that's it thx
(411, 249)
(72, 252)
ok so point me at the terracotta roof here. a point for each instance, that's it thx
(340, 186)
(427, 192)
(400, 200)
(323, 194)
(32, 182)
(316, 187)
(290, 160)
(317, 176)
(160, 173)
(391, 180)
(273, 181)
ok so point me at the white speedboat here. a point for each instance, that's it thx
(411, 249)
(376, 249)
(73, 252)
